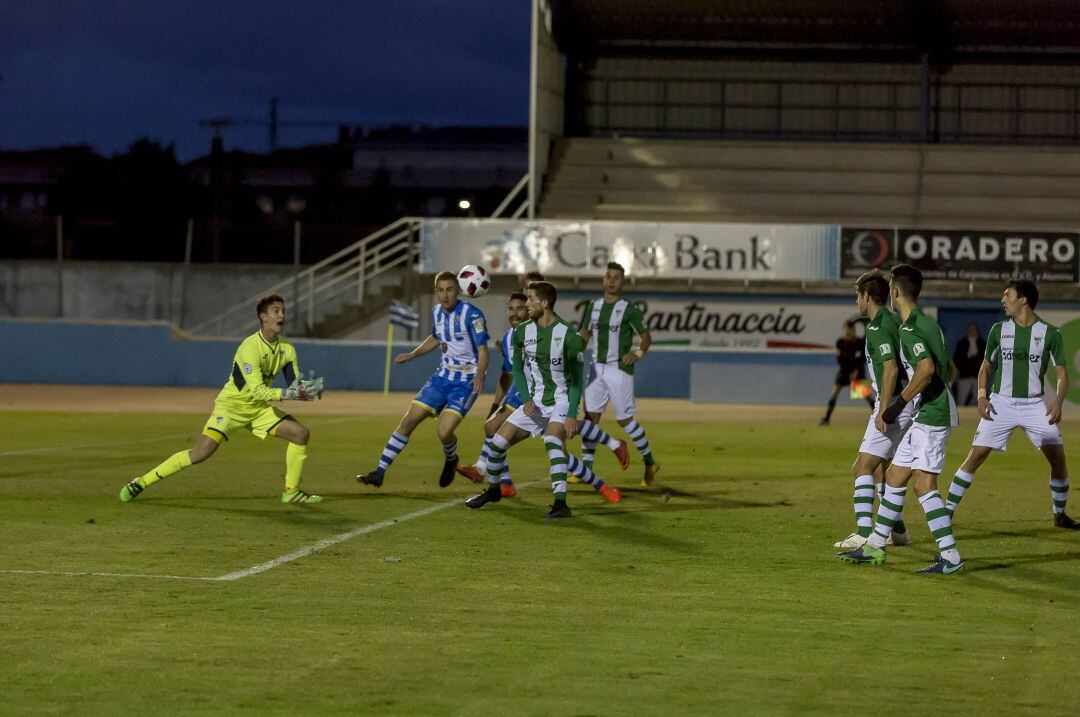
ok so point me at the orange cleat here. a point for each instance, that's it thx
(471, 473)
(611, 494)
(622, 455)
(508, 490)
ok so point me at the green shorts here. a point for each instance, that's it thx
(260, 421)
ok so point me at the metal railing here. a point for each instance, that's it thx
(321, 286)
(521, 185)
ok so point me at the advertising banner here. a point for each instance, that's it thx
(670, 250)
(967, 255)
(863, 250)
(750, 325)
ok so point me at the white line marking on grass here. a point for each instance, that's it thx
(271, 564)
(327, 542)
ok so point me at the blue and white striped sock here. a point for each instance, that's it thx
(592, 433)
(582, 471)
(394, 445)
(450, 450)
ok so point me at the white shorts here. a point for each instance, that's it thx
(536, 426)
(608, 383)
(1011, 413)
(923, 448)
(884, 445)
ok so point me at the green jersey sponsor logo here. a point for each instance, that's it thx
(612, 326)
(1022, 355)
(548, 357)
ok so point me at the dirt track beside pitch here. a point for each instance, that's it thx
(152, 399)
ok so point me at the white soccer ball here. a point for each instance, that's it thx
(474, 280)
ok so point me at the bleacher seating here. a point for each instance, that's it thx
(869, 184)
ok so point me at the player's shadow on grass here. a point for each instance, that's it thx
(1045, 534)
(590, 522)
(626, 521)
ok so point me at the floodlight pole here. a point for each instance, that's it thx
(60, 266)
(533, 110)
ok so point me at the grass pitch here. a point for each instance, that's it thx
(717, 592)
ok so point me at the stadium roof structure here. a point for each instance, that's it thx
(967, 28)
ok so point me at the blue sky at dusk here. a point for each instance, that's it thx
(108, 73)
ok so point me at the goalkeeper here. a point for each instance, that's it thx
(245, 401)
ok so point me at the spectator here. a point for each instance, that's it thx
(968, 357)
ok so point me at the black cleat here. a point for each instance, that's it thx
(1061, 520)
(449, 470)
(374, 478)
(492, 494)
(559, 510)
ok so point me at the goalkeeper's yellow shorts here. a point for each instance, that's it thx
(260, 421)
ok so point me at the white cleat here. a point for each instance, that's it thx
(852, 542)
(899, 538)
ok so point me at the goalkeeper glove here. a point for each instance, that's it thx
(297, 391)
(892, 412)
(313, 387)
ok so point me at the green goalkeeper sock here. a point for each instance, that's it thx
(173, 464)
(295, 455)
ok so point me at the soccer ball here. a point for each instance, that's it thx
(473, 280)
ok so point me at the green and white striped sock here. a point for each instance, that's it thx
(641, 441)
(864, 505)
(496, 469)
(1059, 492)
(960, 483)
(937, 518)
(557, 462)
(889, 511)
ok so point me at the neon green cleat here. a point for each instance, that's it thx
(866, 554)
(132, 489)
(299, 496)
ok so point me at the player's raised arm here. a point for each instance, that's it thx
(427, 346)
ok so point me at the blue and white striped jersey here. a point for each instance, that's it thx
(460, 331)
(507, 346)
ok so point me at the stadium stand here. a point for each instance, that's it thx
(875, 184)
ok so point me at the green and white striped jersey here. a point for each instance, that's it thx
(549, 361)
(612, 326)
(921, 337)
(882, 344)
(1022, 355)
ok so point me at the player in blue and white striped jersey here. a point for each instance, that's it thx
(459, 330)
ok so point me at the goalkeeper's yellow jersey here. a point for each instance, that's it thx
(255, 366)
